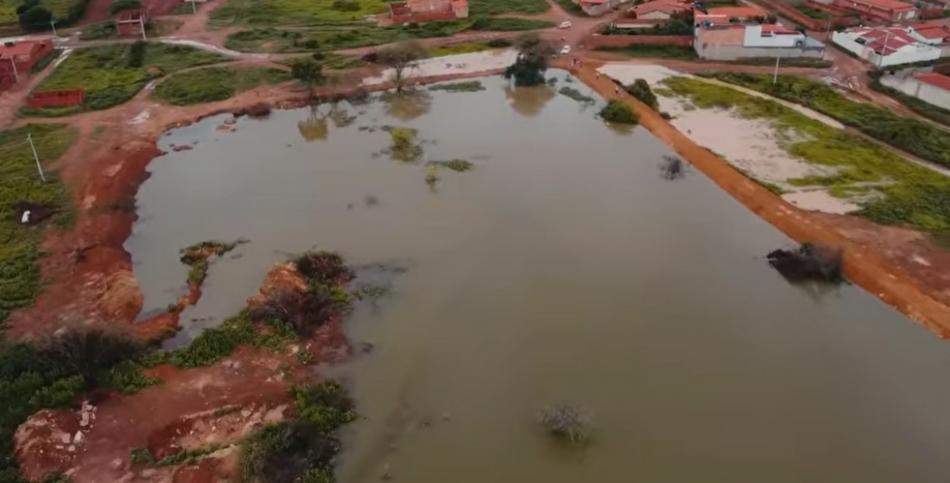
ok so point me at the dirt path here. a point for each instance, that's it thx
(923, 296)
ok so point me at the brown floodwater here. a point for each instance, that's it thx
(562, 269)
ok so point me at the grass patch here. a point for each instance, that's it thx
(911, 135)
(113, 74)
(572, 8)
(909, 194)
(496, 7)
(65, 11)
(45, 61)
(467, 86)
(214, 84)
(20, 244)
(456, 49)
(669, 51)
(457, 165)
(576, 95)
(293, 12)
(403, 144)
(99, 30)
(337, 36)
(196, 256)
(507, 24)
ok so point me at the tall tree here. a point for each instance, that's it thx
(309, 72)
(532, 61)
(400, 57)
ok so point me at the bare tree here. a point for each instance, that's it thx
(400, 57)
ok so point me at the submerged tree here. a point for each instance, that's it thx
(400, 57)
(565, 422)
(532, 61)
(641, 90)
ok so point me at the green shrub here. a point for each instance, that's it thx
(576, 95)
(46, 60)
(120, 5)
(99, 30)
(618, 112)
(499, 43)
(141, 456)
(641, 90)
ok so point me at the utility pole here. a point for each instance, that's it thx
(142, 24)
(194, 9)
(887, 36)
(36, 157)
(775, 75)
(52, 24)
(16, 75)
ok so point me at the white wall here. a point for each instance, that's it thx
(905, 55)
(753, 38)
(655, 15)
(923, 91)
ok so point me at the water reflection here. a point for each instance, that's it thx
(529, 101)
(314, 127)
(407, 105)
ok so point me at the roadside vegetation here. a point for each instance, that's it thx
(926, 109)
(293, 12)
(889, 188)
(641, 90)
(572, 8)
(21, 187)
(215, 84)
(45, 61)
(911, 135)
(618, 112)
(113, 74)
(35, 15)
(496, 7)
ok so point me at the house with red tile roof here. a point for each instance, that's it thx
(874, 10)
(930, 87)
(18, 56)
(414, 11)
(659, 9)
(886, 46)
(936, 33)
(729, 15)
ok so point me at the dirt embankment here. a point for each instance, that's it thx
(898, 265)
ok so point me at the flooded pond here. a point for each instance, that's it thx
(562, 269)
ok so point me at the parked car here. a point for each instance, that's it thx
(565, 25)
(566, 50)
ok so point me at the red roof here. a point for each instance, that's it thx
(886, 4)
(933, 31)
(741, 12)
(935, 79)
(667, 6)
(20, 47)
(884, 40)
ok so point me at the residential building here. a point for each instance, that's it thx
(886, 46)
(930, 87)
(18, 56)
(738, 41)
(659, 9)
(874, 10)
(936, 33)
(596, 8)
(412, 11)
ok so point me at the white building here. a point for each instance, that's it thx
(886, 46)
(930, 87)
(734, 42)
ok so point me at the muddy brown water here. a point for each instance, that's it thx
(562, 269)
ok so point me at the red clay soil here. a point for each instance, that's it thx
(190, 410)
(885, 267)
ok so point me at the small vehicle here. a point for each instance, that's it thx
(566, 50)
(565, 25)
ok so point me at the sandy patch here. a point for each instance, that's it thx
(753, 146)
(452, 65)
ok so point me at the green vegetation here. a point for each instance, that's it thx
(572, 8)
(300, 450)
(35, 15)
(496, 7)
(907, 193)
(617, 112)
(812, 12)
(113, 74)
(141, 456)
(196, 256)
(403, 145)
(911, 135)
(923, 108)
(20, 183)
(53, 373)
(214, 84)
(457, 48)
(293, 12)
(576, 95)
(99, 30)
(457, 165)
(532, 61)
(45, 61)
(671, 51)
(466, 86)
(337, 36)
(119, 5)
(641, 90)
(508, 24)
